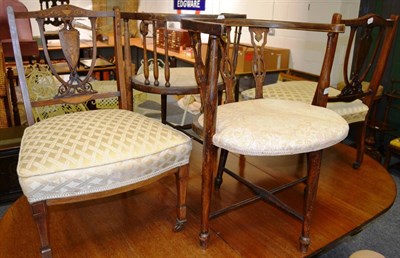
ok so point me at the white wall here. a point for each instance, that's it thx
(34, 5)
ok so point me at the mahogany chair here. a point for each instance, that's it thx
(92, 154)
(369, 42)
(262, 127)
(158, 73)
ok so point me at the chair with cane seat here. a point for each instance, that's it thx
(263, 127)
(91, 154)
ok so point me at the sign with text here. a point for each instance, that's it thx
(198, 5)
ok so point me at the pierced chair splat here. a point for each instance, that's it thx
(91, 154)
(367, 48)
(263, 127)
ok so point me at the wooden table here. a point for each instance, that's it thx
(139, 223)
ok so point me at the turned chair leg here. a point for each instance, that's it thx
(388, 156)
(221, 166)
(39, 212)
(182, 177)
(310, 194)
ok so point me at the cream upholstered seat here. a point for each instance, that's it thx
(303, 91)
(262, 126)
(180, 77)
(103, 150)
(70, 153)
(279, 127)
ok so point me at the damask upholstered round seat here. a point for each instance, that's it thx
(88, 152)
(270, 127)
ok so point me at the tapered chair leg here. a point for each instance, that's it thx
(221, 166)
(310, 194)
(39, 212)
(182, 177)
(360, 143)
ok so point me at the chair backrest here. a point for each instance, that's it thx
(46, 4)
(162, 42)
(220, 35)
(78, 85)
(370, 42)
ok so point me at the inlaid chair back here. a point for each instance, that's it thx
(370, 43)
(72, 84)
(371, 39)
(70, 156)
(158, 72)
(261, 126)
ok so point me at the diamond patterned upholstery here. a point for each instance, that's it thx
(303, 91)
(55, 162)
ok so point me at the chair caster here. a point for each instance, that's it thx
(179, 225)
(204, 237)
(217, 183)
(356, 165)
(304, 243)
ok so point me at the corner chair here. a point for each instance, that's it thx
(262, 127)
(159, 73)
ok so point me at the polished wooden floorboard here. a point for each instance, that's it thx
(139, 223)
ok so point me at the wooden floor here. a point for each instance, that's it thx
(139, 224)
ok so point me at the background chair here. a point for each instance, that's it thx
(369, 43)
(91, 154)
(158, 72)
(28, 44)
(45, 4)
(263, 127)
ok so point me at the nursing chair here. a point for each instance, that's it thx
(158, 72)
(262, 127)
(90, 154)
(369, 42)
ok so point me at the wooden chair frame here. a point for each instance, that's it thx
(77, 90)
(156, 21)
(220, 62)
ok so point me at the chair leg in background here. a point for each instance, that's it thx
(182, 177)
(360, 143)
(221, 166)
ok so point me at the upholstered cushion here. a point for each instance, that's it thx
(395, 143)
(93, 151)
(265, 127)
(179, 77)
(303, 91)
